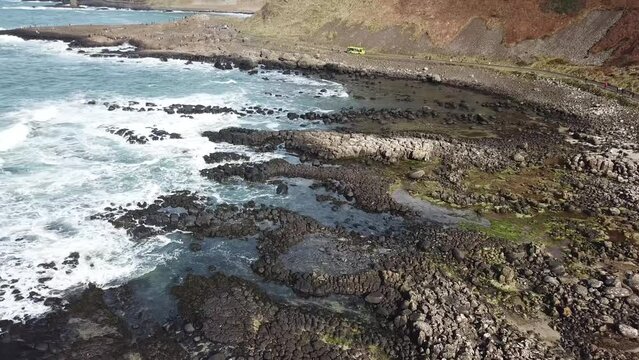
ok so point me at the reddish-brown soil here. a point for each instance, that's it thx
(624, 39)
(521, 19)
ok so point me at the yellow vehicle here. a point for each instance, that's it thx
(356, 50)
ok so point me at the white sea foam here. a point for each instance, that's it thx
(96, 50)
(13, 136)
(10, 39)
(72, 168)
(37, 8)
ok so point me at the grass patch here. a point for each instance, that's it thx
(302, 18)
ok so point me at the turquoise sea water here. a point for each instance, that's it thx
(16, 13)
(59, 165)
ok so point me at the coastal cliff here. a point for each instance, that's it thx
(592, 32)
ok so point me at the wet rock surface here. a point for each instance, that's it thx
(369, 190)
(241, 322)
(184, 211)
(219, 157)
(188, 110)
(154, 135)
(420, 308)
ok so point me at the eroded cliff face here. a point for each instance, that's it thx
(622, 39)
(587, 32)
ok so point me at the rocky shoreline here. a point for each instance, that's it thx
(603, 115)
(554, 275)
(431, 291)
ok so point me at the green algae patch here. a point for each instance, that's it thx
(399, 172)
(343, 342)
(513, 228)
(345, 338)
(547, 228)
(377, 353)
(539, 185)
(349, 338)
(516, 181)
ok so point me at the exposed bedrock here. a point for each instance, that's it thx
(318, 261)
(432, 289)
(237, 317)
(186, 110)
(446, 319)
(332, 145)
(179, 211)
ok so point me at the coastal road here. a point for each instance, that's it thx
(611, 89)
(422, 61)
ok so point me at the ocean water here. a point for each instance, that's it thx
(17, 13)
(59, 165)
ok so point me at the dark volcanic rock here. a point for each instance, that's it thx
(88, 329)
(218, 157)
(182, 211)
(233, 313)
(282, 189)
(154, 135)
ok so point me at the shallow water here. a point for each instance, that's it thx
(151, 303)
